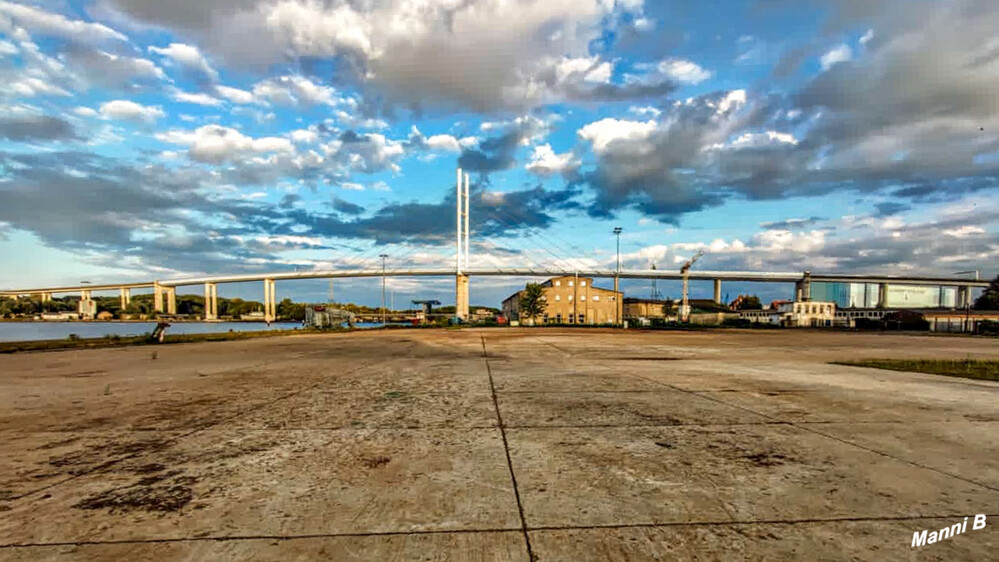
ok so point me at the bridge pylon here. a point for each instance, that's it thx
(462, 248)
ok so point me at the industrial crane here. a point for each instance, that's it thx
(685, 306)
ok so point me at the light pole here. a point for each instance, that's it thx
(617, 274)
(966, 291)
(383, 256)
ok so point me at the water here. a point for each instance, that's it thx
(30, 331)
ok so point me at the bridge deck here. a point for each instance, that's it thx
(751, 276)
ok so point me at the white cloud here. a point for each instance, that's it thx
(108, 68)
(683, 71)
(189, 57)
(777, 241)
(295, 90)
(125, 110)
(586, 69)
(85, 112)
(444, 142)
(304, 136)
(646, 111)
(434, 52)
(838, 54)
(29, 86)
(367, 153)
(544, 161)
(965, 231)
(47, 23)
(756, 140)
(353, 119)
(235, 95)
(867, 37)
(198, 98)
(602, 133)
(216, 144)
(8, 48)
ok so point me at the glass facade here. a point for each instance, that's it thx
(847, 295)
(911, 296)
(865, 295)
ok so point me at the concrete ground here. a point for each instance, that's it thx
(497, 445)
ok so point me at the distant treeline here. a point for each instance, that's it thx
(187, 305)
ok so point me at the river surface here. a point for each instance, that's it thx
(30, 331)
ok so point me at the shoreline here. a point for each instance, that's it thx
(146, 321)
(125, 341)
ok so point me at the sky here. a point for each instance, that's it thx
(142, 139)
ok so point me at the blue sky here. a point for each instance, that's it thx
(143, 139)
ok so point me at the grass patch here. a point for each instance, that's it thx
(981, 369)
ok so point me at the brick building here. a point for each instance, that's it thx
(571, 300)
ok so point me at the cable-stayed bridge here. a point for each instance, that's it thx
(165, 290)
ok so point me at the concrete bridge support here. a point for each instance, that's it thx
(211, 301)
(718, 291)
(964, 297)
(46, 297)
(461, 296)
(86, 308)
(171, 304)
(882, 295)
(270, 301)
(803, 288)
(157, 298)
(126, 297)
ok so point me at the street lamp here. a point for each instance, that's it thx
(617, 232)
(383, 256)
(617, 274)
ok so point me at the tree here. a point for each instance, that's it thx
(990, 298)
(750, 302)
(532, 301)
(668, 307)
(289, 310)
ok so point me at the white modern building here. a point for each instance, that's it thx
(806, 314)
(867, 295)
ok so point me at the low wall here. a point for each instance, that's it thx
(712, 318)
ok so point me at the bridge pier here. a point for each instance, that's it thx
(86, 307)
(126, 298)
(211, 301)
(882, 295)
(461, 296)
(171, 300)
(270, 296)
(964, 297)
(157, 298)
(718, 291)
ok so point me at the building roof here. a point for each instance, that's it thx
(548, 283)
(636, 300)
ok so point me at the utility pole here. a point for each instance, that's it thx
(383, 256)
(655, 287)
(617, 275)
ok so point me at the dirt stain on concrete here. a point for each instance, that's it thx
(167, 492)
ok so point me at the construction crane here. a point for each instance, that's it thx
(685, 306)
